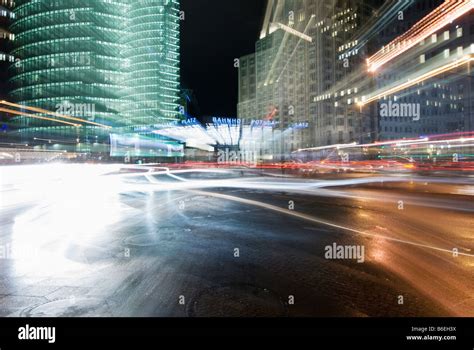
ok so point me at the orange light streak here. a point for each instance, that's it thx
(10, 111)
(449, 11)
(44, 111)
(421, 78)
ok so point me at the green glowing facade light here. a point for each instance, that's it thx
(114, 62)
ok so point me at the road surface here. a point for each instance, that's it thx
(88, 240)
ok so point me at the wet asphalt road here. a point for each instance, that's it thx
(85, 241)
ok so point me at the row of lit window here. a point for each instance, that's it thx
(62, 86)
(38, 6)
(49, 17)
(348, 45)
(6, 58)
(9, 14)
(8, 3)
(342, 93)
(446, 36)
(5, 35)
(33, 34)
(447, 52)
(434, 39)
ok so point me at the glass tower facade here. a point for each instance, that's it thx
(115, 63)
(152, 66)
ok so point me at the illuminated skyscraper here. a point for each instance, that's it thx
(114, 63)
(152, 62)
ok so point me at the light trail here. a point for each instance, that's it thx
(443, 15)
(44, 111)
(302, 36)
(396, 143)
(325, 188)
(387, 12)
(322, 222)
(414, 253)
(295, 32)
(51, 178)
(10, 111)
(282, 47)
(411, 82)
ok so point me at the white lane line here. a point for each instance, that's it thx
(318, 221)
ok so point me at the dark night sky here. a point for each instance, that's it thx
(214, 33)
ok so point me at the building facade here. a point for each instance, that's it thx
(336, 72)
(151, 53)
(346, 69)
(110, 63)
(442, 103)
(300, 78)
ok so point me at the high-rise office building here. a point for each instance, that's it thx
(111, 63)
(151, 51)
(339, 59)
(299, 78)
(273, 82)
(335, 66)
(68, 60)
